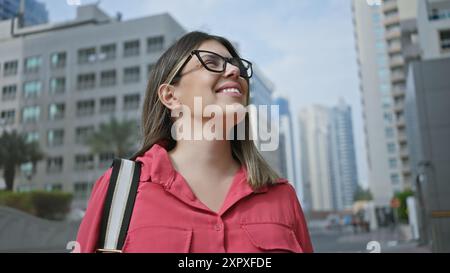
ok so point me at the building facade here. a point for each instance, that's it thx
(315, 158)
(344, 178)
(428, 126)
(287, 148)
(328, 158)
(59, 82)
(261, 94)
(386, 40)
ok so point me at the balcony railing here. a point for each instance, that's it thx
(398, 77)
(395, 62)
(389, 6)
(402, 137)
(394, 19)
(398, 92)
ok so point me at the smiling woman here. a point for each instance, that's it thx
(198, 195)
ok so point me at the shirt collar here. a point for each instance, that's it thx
(158, 168)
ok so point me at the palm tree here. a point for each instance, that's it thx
(14, 151)
(116, 136)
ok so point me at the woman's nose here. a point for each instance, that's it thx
(232, 70)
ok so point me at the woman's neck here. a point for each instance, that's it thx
(213, 155)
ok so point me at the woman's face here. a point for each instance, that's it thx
(197, 81)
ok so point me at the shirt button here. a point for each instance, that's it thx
(217, 227)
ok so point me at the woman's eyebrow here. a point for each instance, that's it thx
(222, 54)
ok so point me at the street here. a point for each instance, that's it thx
(384, 240)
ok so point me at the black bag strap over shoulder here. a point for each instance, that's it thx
(119, 204)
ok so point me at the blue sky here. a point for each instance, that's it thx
(305, 47)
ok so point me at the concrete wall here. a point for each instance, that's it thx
(428, 99)
(22, 232)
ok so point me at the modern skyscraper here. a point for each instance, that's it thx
(433, 27)
(329, 170)
(261, 92)
(315, 158)
(344, 178)
(34, 12)
(386, 39)
(287, 144)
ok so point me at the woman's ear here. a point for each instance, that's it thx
(166, 94)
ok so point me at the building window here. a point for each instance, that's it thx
(58, 60)
(53, 187)
(107, 52)
(86, 55)
(379, 33)
(395, 179)
(32, 89)
(57, 85)
(32, 137)
(86, 81)
(84, 162)
(392, 148)
(55, 164)
(108, 105)
(131, 102)
(389, 132)
(387, 102)
(31, 114)
(32, 64)
(393, 163)
(82, 134)
(81, 190)
(383, 75)
(8, 117)
(155, 44)
(131, 74)
(10, 68)
(85, 108)
(444, 36)
(389, 118)
(108, 78)
(56, 111)
(9, 92)
(27, 168)
(105, 159)
(131, 48)
(55, 137)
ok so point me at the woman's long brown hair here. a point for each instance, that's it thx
(157, 122)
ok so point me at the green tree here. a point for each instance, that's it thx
(362, 195)
(14, 151)
(402, 211)
(115, 136)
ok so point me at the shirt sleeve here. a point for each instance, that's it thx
(300, 226)
(89, 229)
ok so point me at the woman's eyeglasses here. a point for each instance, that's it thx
(215, 63)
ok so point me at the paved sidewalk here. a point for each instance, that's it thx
(384, 240)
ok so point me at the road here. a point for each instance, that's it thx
(384, 240)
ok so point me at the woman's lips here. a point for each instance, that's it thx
(232, 92)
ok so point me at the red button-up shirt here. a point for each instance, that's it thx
(167, 216)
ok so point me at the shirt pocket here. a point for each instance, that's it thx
(272, 237)
(158, 239)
